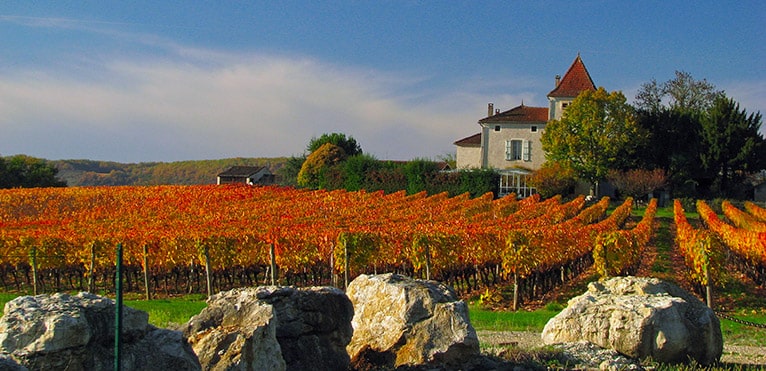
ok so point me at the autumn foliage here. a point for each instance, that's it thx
(746, 242)
(171, 230)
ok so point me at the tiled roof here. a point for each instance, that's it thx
(241, 171)
(520, 113)
(473, 140)
(574, 81)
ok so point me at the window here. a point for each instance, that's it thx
(533, 128)
(513, 150)
(527, 150)
(497, 127)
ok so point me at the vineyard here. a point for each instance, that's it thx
(742, 237)
(180, 239)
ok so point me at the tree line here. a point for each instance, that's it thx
(22, 171)
(336, 161)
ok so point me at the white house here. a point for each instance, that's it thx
(509, 141)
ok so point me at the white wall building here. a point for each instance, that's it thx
(511, 139)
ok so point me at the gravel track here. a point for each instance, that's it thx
(733, 354)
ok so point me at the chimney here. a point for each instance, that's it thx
(490, 109)
(558, 80)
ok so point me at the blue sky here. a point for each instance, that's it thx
(186, 80)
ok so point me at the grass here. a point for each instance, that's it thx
(170, 313)
(164, 313)
(488, 320)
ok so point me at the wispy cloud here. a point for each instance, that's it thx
(223, 104)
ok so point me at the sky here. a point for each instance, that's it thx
(160, 81)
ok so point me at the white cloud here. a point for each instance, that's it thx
(221, 105)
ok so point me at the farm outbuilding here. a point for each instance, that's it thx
(251, 175)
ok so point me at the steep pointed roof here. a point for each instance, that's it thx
(574, 81)
(520, 113)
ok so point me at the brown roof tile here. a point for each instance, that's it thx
(574, 81)
(473, 140)
(519, 113)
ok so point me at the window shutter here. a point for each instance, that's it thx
(526, 151)
(508, 151)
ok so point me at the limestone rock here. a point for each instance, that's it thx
(640, 317)
(61, 331)
(235, 331)
(273, 328)
(313, 325)
(400, 321)
(8, 364)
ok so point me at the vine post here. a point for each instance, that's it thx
(33, 263)
(708, 281)
(708, 288)
(345, 266)
(515, 291)
(146, 273)
(272, 265)
(206, 253)
(118, 310)
(333, 276)
(92, 271)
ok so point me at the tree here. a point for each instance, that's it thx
(731, 145)
(671, 112)
(553, 179)
(673, 145)
(288, 173)
(28, 172)
(317, 162)
(356, 170)
(348, 144)
(597, 131)
(637, 183)
(418, 171)
(683, 93)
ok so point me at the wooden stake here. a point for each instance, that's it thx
(92, 275)
(207, 272)
(273, 262)
(146, 273)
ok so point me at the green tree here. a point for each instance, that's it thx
(731, 145)
(317, 162)
(671, 112)
(288, 173)
(673, 145)
(418, 172)
(357, 170)
(28, 172)
(682, 93)
(348, 144)
(595, 134)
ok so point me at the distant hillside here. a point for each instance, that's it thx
(91, 173)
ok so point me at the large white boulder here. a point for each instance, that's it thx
(65, 332)
(399, 321)
(235, 331)
(273, 328)
(640, 317)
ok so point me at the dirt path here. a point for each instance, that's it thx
(732, 354)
